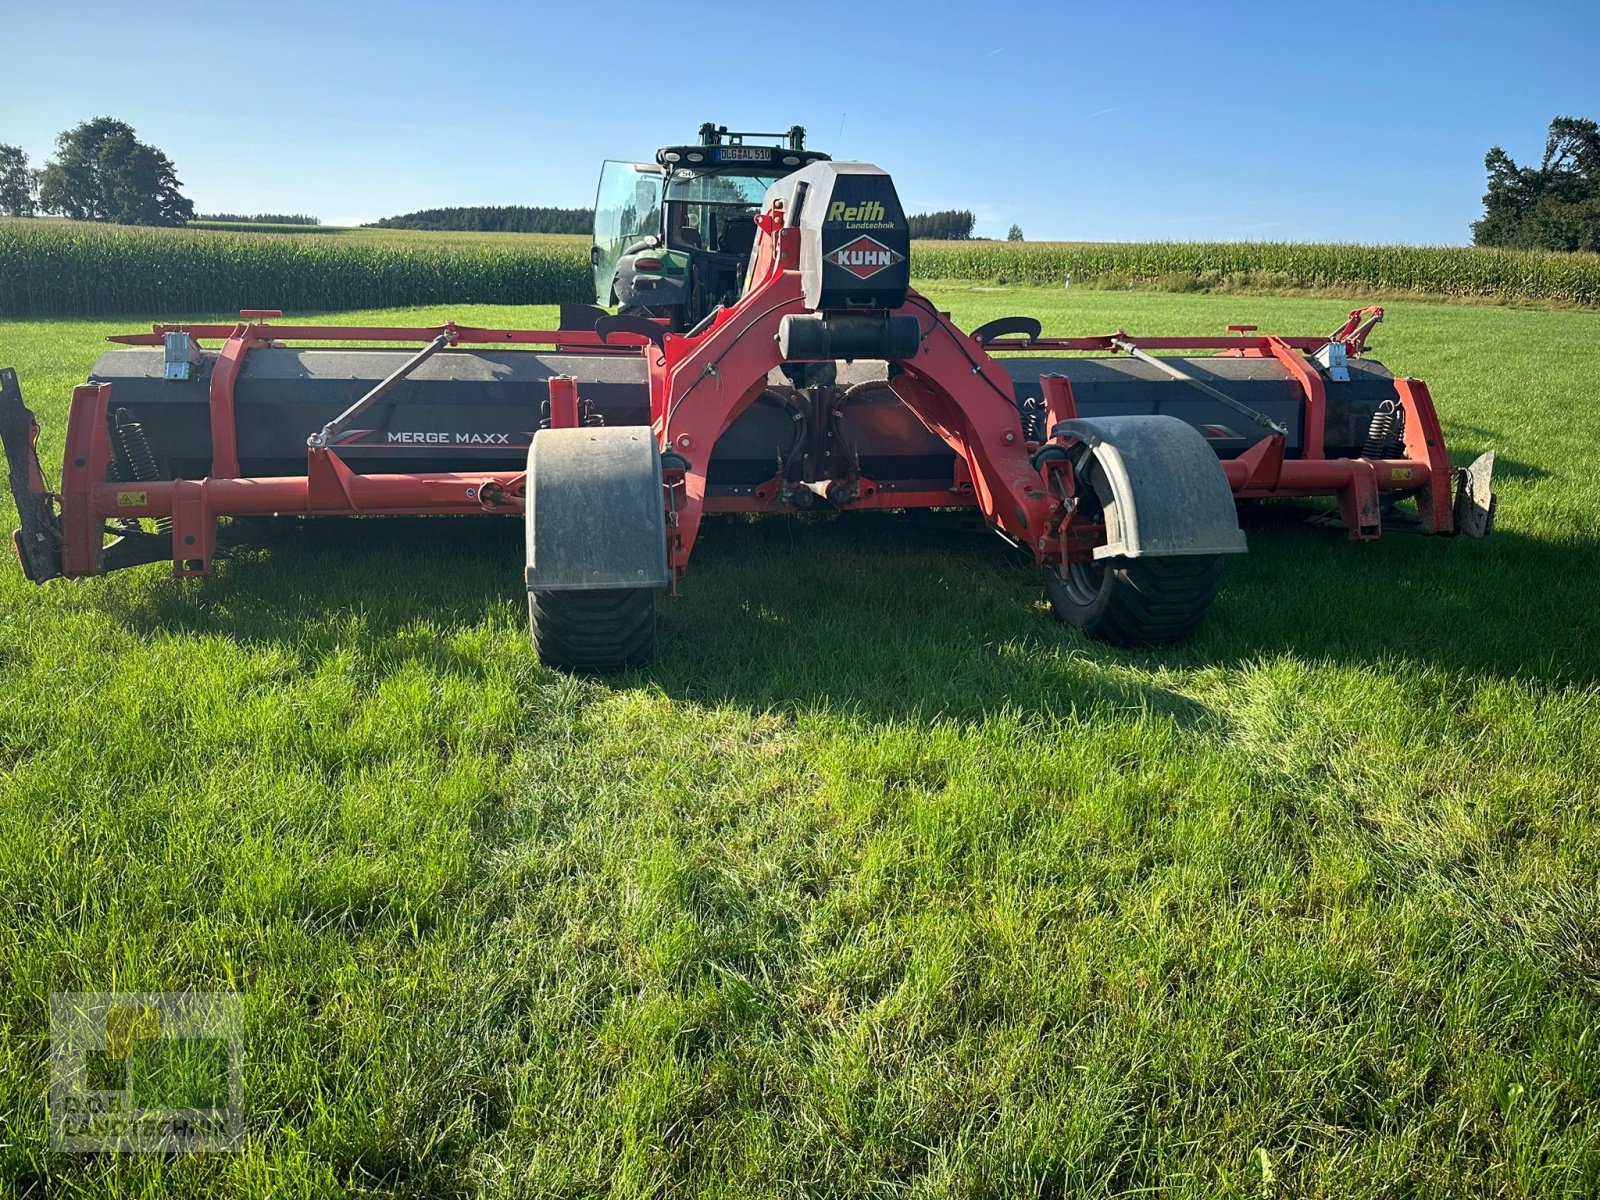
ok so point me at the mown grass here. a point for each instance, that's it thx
(880, 882)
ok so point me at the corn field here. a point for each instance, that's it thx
(78, 271)
(1463, 271)
(60, 269)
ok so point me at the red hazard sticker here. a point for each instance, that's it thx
(865, 257)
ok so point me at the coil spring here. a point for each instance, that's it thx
(1386, 432)
(1033, 420)
(587, 417)
(136, 463)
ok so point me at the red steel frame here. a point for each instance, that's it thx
(699, 385)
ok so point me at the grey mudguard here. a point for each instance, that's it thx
(594, 510)
(1171, 494)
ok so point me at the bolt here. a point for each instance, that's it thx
(683, 442)
(1010, 437)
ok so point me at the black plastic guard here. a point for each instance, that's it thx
(1028, 327)
(38, 541)
(643, 326)
(595, 513)
(580, 316)
(1172, 495)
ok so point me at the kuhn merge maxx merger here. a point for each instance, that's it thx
(1119, 471)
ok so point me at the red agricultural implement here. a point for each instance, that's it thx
(829, 383)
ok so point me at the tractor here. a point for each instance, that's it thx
(1114, 462)
(673, 238)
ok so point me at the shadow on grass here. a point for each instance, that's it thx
(321, 586)
(918, 617)
(896, 617)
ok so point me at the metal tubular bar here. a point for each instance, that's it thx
(1316, 396)
(458, 492)
(1244, 410)
(321, 440)
(1326, 476)
(1059, 402)
(446, 493)
(584, 340)
(883, 498)
(1106, 342)
(563, 402)
(88, 459)
(1425, 441)
(587, 340)
(224, 376)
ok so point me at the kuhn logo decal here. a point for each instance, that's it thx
(865, 257)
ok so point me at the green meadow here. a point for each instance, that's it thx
(879, 882)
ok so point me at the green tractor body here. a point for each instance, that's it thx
(673, 238)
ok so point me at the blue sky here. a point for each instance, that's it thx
(1169, 121)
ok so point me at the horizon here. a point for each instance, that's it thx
(365, 112)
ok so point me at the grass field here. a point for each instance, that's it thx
(880, 882)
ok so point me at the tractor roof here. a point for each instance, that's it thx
(775, 159)
(720, 146)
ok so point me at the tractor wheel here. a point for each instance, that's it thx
(1136, 601)
(593, 631)
(1131, 601)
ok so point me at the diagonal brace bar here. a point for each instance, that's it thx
(1260, 418)
(323, 439)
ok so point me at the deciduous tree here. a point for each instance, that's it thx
(1555, 206)
(102, 172)
(18, 183)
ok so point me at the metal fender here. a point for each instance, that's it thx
(1171, 496)
(594, 514)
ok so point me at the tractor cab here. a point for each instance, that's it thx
(673, 238)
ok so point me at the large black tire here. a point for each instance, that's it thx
(593, 631)
(1136, 601)
(1130, 601)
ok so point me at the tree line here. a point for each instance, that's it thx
(952, 225)
(101, 172)
(260, 218)
(501, 218)
(948, 225)
(1554, 206)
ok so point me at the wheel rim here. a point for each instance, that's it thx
(1083, 582)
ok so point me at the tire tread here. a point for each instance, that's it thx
(594, 631)
(1145, 601)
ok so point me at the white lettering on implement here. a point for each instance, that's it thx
(422, 438)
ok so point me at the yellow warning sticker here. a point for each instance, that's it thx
(132, 499)
(1400, 473)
